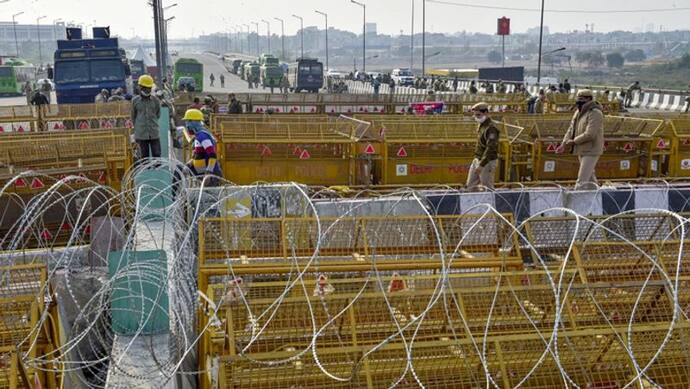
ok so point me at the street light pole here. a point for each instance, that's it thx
(423, 38)
(301, 32)
(412, 40)
(364, 35)
(282, 35)
(326, 16)
(541, 36)
(268, 33)
(249, 41)
(38, 31)
(258, 45)
(14, 25)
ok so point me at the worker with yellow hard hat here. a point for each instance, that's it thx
(204, 156)
(146, 110)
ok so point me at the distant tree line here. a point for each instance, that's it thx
(612, 60)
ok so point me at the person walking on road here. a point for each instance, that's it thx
(222, 80)
(376, 84)
(585, 138)
(284, 85)
(687, 100)
(634, 87)
(485, 160)
(212, 78)
(146, 110)
(391, 86)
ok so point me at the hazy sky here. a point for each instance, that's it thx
(192, 17)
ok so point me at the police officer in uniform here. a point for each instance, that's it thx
(585, 138)
(485, 161)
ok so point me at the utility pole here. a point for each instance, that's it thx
(38, 31)
(412, 40)
(158, 29)
(301, 32)
(268, 34)
(541, 37)
(364, 35)
(249, 41)
(14, 26)
(326, 16)
(423, 38)
(258, 45)
(282, 35)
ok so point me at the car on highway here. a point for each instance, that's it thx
(332, 73)
(403, 77)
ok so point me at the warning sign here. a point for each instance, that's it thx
(629, 147)
(20, 183)
(551, 148)
(661, 144)
(397, 284)
(266, 151)
(625, 165)
(401, 170)
(369, 149)
(549, 166)
(36, 183)
(304, 154)
(84, 125)
(402, 153)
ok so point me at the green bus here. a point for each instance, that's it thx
(188, 67)
(13, 77)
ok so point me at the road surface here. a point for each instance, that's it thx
(232, 82)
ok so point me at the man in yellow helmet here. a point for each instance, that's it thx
(146, 110)
(204, 154)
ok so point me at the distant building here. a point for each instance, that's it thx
(30, 32)
(370, 28)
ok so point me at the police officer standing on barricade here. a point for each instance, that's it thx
(585, 138)
(146, 109)
(485, 161)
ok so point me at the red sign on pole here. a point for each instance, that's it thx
(503, 26)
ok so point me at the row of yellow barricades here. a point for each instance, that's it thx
(102, 156)
(20, 119)
(362, 150)
(443, 302)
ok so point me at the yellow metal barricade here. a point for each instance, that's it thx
(23, 295)
(679, 163)
(628, 148)
(317, 153)
(102, 157)
(87, 116)
(437, 152)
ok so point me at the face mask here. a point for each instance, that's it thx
(480, 119)
(580, 103)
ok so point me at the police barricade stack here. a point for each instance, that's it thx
(631, 148)
(282, 103)
(680, 148)
(350, 103)
(25, 297)
(100, 156)
(314, 153)
(435, 151)
(564, 102)
(445, 301)
(217, 120)
(402, 250)
(22, 118)
(86, 116)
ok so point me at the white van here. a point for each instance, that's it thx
(403, 77)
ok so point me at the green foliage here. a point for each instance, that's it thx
(636, 55)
